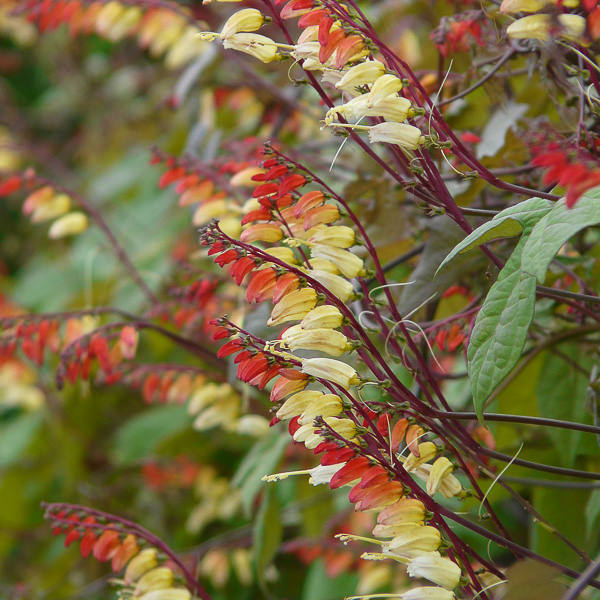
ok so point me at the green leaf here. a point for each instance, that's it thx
(555, 228)
(508, 223)
(592, 511)
(561, 395)
(563, 509)
(319, 585)
(260, 461)
(268, 532)
(16, 435)
(500, 329)
(141, 435)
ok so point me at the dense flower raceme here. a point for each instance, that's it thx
(305, 267)
(344, 63)
(149, 574)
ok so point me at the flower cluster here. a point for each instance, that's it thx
(326, 47)
(163, 30)
(149, 575)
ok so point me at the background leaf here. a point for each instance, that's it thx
(268, 532)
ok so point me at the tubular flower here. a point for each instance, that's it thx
(327, 405)
(349, 264)
(283, 254)
(145, 561)
(156, 579)
(427, 593)
(284, 387)
(245, 20)
(168, 593)
(336, 285)
(330, 369)
(323, 473)
(427, 450)
(392, 108)
(439, 470)
(414, 540)
(361, 74)
(384, 86)
(407, 510)
(449, 486)
(295, 405)
(326, 340)
(72, 223)
(323, 317)
(539, 27)
(401, 134)
(435, 568)
(293, 306)
(339, 236)
(258, 46)
(262, 232)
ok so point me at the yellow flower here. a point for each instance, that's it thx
(537, 27)
(440, 468)
(361, 74)
(259, 46)
(349, 264)
(55, 207)
(435, 568)
(414, 539)
(326, 340)
(243, 178)
(427, 450)
(69, 224)
(339, 236)
(330, 369)
(156, 579)
(297, 404)
(245, 20)
(327, 405)
(401, 134)
(326, 316)
(293, 306)
(140, 564)
(383, 87)
(167, 594)
(427, 593)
